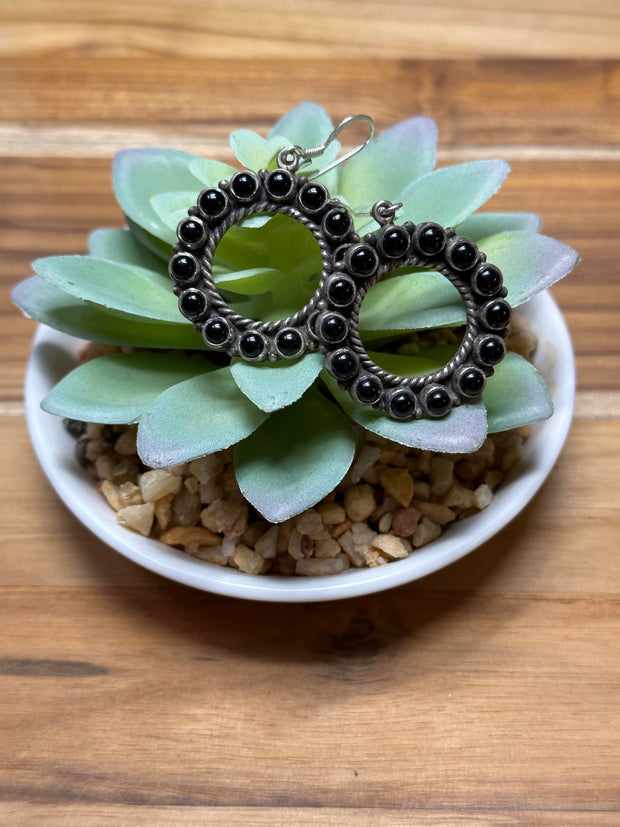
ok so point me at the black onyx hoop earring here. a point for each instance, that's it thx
(479, 283)
(246, 194)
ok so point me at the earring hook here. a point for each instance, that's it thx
(297, 156)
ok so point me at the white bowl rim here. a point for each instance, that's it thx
(55, 451)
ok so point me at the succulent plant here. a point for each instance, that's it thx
(293, 430)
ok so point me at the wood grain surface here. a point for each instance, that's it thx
(485, 694)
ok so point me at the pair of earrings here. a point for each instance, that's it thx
(329, 322)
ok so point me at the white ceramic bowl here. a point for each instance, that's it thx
(53, 354)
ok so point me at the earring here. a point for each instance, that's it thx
(481, 287)
(219, 208)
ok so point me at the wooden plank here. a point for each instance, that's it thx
(92, 815)
(551, 103)
(547, 549)
(424, 701)
(394, 31)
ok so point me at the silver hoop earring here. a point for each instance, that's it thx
(480, 285)
(280, 191)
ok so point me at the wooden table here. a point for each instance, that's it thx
(486, 694)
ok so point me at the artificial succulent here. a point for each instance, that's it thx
(293, 430)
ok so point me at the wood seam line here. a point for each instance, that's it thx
(95, 141)
(588, 405)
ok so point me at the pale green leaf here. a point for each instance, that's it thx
(118, 388)
(307, 125)
(122, 247)
(254, 151)
(126, 288)
(140, 174)
(461, 432)
(273, 386)
(426, 361)
(449, 195)
(51, 306)
(210, 172)
(530, 262)
(295, 458)
(389, 163)
(159, 248)
(249, 282)
(418, 300)
(516, 395)
(194, 418)
(482, 225)
(171, 207)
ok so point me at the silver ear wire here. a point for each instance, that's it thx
(294, 157)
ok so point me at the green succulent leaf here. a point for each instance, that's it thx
(417, 300)
(516, 395)
(118, 388)
(449, 195)
(51, 306)
(171, 207)
(274, 386)
(295, 458)
(306, 125)
(122, 247)
(254, 151)
(159, 248)
(483, 225)
(210, 172)
(199, 416)
(140, 174)
(125, 288)
(398, 156)
(251, 282)
(530, 262)
(427, 361)
(462, 432)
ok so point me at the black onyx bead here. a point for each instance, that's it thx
(212, 203)
(462, 254)
(337, 223)
(289, 342)
(313, 197)
(193, 303)
(216, 332)
(394, 242)
(244, 186)
(367, 390)
(341, 291)
(251, 345)
(343, 364)
(280, 184)
(487, 280)
(438, 402)
(183, 267)
(191, 231)
(496, 314)
(362, 260)
(430, 239)
(471, 381)
(333, 328)
(491, 350)
(402, 404)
